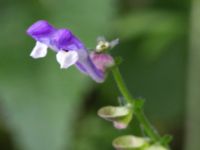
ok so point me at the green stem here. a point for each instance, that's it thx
(149, 130)
(121, 85)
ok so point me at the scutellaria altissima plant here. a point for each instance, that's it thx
(96, 64)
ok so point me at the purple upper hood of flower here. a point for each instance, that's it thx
(40, 29)
(57, 39)
(70, 50)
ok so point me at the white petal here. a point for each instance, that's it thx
(39, 51)
(66, 59)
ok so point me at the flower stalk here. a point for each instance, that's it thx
(137, 107)
(121, 85)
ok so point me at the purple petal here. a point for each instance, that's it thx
(65, 40)
(81, 68)
(87, 66)
(41, 30)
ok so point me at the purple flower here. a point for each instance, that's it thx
(70, 50)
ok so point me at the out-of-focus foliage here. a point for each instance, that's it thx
(45, 108)
(157, 28)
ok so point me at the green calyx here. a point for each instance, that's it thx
(119, 115)
(130, 142)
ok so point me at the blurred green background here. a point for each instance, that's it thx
(45, 108)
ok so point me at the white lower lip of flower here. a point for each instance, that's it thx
(39, 51)
(66, 59)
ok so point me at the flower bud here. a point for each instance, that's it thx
(103, 44)
(120, 116)
(130, 142)
(156, 147)
(102, 61)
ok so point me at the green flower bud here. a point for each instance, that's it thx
(130, 142)
(156, 147)
(120, 116)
